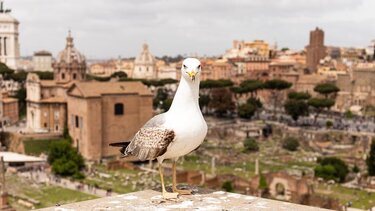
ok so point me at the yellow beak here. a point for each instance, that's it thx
(192, 75)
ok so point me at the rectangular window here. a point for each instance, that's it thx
(119, 109)
(77, 121)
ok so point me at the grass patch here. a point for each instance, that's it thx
(359, 198)
(47, 195)
(37, 147)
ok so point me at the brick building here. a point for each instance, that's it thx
(100, 113)
(316, 50)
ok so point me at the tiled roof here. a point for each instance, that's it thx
(96, 89)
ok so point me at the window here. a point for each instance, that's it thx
(74, 76)
(62, 76)
(77, 121)
(119, 109)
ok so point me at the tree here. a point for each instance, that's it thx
(119, 74)
(251, 145)
(246, 110)
(326, 89)
(65, 160)
(319, 104)
(248, 86)
(276, 86)
(161, 95)
(331, 168)
(290, 143)
(299, 96)
(355, 169)
(329, 123)
(21, 97)
(296, 108)
(44, 75)
(166, 104)
(204, 100)
(370, 161)
(227, 186)
(209, 84)
(221, 101)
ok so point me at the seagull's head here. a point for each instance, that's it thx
(191, 68)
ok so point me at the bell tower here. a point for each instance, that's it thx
(9, 44)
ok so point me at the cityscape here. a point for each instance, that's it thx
(284, 124)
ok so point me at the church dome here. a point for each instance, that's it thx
(145, 57)
(70, 54)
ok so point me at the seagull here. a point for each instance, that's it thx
(174, 133)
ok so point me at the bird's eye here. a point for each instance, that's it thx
(199, 67)
(185, 66)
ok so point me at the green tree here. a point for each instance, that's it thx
(326, 89)
(296, 108)
(221, 101)
(119, 74)
(228, 186)
(299, 96)
(204, 100)
(319, 104)
(276, 86)
(370, 161)
(332, 168)
(355, 169)
(209, 84)
(65, 160)
(290, 143)
(329, 123)
(248, 86)
(161, 95)
(262, 182)
(21, 97)
(246, 110)
(251, 145)
(166, 104)
(44, 75)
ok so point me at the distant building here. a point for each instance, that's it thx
(100, 113)
(103, 69)
(145, 65)
(242, 49)
(46, 99)
(96, 113)
(9, 44)
(357, 90)
(8, 109)
(316, 50)
(42, 61)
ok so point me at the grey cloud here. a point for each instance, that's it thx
(108, 28)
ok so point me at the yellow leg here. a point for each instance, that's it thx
(174, 185)
(166, 195)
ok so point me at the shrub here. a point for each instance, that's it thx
(251, 145)
(227, 186)
(290, 143)
(331, 168)
(65, 160)
(329, 124)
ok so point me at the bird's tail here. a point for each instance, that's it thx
(123, 146)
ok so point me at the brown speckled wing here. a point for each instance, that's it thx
(150, 142)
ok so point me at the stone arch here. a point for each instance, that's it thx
(280, 188)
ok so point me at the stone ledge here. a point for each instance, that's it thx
(151, 200)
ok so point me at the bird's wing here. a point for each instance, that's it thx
(150, 141)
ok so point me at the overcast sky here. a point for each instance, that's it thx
(112, 28)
